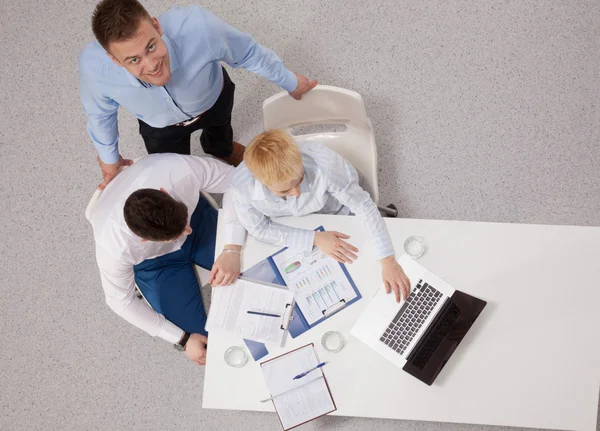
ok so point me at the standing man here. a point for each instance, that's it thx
(168, 73)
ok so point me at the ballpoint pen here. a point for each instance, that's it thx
(260, 313)
(299, 376)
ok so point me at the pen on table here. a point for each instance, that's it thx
(260, 313)
(299, 376)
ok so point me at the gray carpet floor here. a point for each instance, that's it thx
(484, 111)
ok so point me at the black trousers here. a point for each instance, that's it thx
(217, 134)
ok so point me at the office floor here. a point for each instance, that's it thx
(482, 111)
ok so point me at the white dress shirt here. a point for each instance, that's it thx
(330, 186)
(118, 249)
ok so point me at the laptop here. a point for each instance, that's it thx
(421, 333)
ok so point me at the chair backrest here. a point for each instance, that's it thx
(89, 210)
(337, 108)
(211, 201)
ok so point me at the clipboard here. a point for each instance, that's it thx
(323, 377)
(266, 272)
(236, 309)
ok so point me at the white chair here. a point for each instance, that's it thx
(331, 108)
(89, 210)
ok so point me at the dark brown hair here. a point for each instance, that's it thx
(117, 20)
(154, 215)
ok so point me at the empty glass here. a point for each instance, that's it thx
(332, 341)
(414, 246)
(236, 356)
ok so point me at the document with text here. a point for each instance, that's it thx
(255, 311)
(319, 284)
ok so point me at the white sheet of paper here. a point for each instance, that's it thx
(318, 282)
(230, 305)
(297, 401)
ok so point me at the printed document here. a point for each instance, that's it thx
(230, 305)
(319, 284)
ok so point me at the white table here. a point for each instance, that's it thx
(532, 358)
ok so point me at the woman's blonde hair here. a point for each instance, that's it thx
(273, 157)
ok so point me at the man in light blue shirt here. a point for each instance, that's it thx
(168, 73)
(280, 178)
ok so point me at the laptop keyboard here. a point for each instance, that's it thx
(434, 339)
(414, 312)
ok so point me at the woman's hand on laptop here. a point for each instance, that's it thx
(333, 245)
(394, 278)
(226, 268)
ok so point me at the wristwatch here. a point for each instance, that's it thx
(181, 343)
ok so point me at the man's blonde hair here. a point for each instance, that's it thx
(273, 157)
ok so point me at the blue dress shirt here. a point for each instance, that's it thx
(197, 41)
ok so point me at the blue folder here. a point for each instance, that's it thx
(266, 271)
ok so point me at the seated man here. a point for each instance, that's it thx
(150, 227)
(278, 178)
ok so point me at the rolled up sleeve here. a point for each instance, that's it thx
(214, 176)
(345, 188)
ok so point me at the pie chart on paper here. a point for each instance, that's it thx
(292, 267)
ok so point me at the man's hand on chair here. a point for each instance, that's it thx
(109, 171)
(226, 268)
(304, 86)
(195, 349)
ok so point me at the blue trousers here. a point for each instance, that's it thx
(169, 282)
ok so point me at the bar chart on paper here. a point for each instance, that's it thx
(318, 282)
(322, 274)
